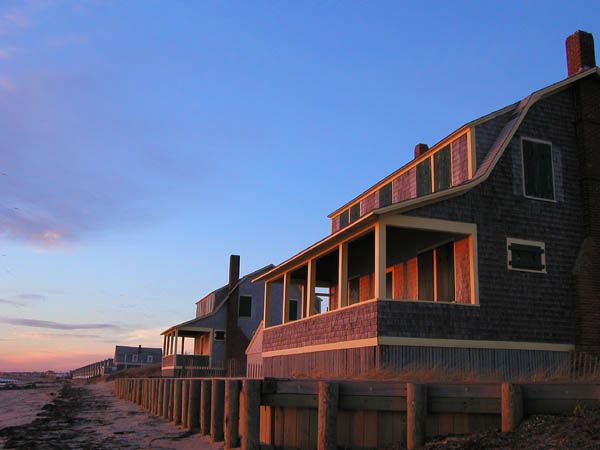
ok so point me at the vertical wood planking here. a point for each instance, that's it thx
(252, 425)
(184, 403)
(176, 417)
(194, 405)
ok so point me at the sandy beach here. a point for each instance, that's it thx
(88, 416)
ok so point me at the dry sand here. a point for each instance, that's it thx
(89, 416)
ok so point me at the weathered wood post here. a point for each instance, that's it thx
(217, 403)
(328, 409)
(232, 413)
(177, 402)
(512, 406)
(138, 399)
(205, 398)
(171, 401)
(193, 422)
(160, 399)
(184, 402)
(251, 412)
(416, 413)
(166, 399)
(153, 400)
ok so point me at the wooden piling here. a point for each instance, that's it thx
(232, 413)
(205, 401)
(250, 415)
(217, 402)
(416, 414)
(171, 401)
(176, 417)
(512, 406)
(327, 418)
(193, 422)
(166, 398)
(184, 402)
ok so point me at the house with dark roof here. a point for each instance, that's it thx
(127, 357)
(480, 254)
(214, 342)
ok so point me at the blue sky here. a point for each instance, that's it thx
(145, 141)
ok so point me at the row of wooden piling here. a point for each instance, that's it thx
(229, 409)
(208, 406)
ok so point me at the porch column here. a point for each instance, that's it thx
(380, 259)
(175, 341)
(164, 344)
(167, 344)
(267, 304)
(342, 290)
(183, 345)
(311, 281)
(286, 297)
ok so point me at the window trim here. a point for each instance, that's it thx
(240, 304)
(542, 245)
(541, 141)
(215, 335)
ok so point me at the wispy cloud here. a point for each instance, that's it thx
(8, 52)
(66, 40)
(11, 303)
(57, 325)
(22, 300)
(60, 336)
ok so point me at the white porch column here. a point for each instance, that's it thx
(342, 290)
(164, 349)
(267, 304)
(380, 256)
(175, 342)
(286, 297)
(311, 281)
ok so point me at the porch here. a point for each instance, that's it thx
(392, 258)
(195, 362)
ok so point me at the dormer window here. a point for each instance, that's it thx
(538, 171)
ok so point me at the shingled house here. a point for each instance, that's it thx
(225, 321)
(127, 357)
(479, 254)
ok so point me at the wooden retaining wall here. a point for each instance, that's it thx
(324, 415)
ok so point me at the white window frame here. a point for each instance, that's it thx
(541, 141)
(150, 359)
(134, 358)
(540, 244)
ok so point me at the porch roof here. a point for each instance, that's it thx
(520, 110)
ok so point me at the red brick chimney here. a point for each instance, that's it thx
(580, 52)
(420, 149)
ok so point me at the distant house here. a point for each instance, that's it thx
(480, 254)
(97, 369)
(225, 321)
(128, 357)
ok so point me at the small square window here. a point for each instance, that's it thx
(538, 172)
(219, 335)
(245, 306)
(385, 195)
(134, 358)
(529, 256)
(344, 219)
(355, 212)
(424, 177)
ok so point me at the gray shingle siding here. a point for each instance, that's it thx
(514, 305)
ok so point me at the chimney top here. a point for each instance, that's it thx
(580, 52)
(420, 149)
